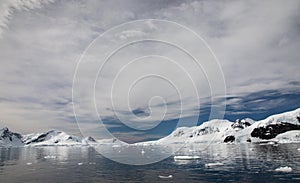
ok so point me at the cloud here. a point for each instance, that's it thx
(131, 33)
(257, 45)
(7, 8)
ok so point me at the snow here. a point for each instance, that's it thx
(292, 136)
(249, 120)
(116, 145)
(211, 131)
(214, 131)
(290, 117)
(56, 138)
(50, 138)
(284, 169)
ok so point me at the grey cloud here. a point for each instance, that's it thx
(256, 42)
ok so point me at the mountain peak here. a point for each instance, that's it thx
(4, 129)
(8, 138)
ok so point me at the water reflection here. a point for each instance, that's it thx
(219, 162)
(245, 157)
(9, 154)
(135, 154)
(36, 154)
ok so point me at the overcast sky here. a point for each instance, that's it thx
(255, 51)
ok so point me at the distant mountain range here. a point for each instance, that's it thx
(280, 128)
(50, 138)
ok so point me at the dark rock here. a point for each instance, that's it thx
(272, 130)
(91, 139)
(230, 138)
(40, 138)
(205, 131)
(238, 124)
(179, 133)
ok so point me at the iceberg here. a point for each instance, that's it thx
(284, 169)
(165, 177)
(183, 157)
(213, 164)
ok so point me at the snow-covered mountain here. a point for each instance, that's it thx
(55, 138)
(50, 138)
(279, 128)
(211, 131)
(8, 138)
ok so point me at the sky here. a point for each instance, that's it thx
(187, 62)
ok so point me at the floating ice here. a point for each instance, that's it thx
(165, 177)
(284, 169)
(49, 157)
(213, 164)
(186, 157)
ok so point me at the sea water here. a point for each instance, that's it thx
(216, 163)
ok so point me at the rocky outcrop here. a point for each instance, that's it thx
(230, 138)
(240, 124)
(90, 139)
(38, 138)
(272, 130)
(204, 131)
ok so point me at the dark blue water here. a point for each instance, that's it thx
(236, 163)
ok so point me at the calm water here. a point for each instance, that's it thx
(237, 163)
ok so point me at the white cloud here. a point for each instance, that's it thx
(7, 8)
(256, 42)
(131, 33)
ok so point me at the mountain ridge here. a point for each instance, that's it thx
(279, 128)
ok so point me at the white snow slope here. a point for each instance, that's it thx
(214, 131)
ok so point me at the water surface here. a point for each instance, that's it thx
(229, 163)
